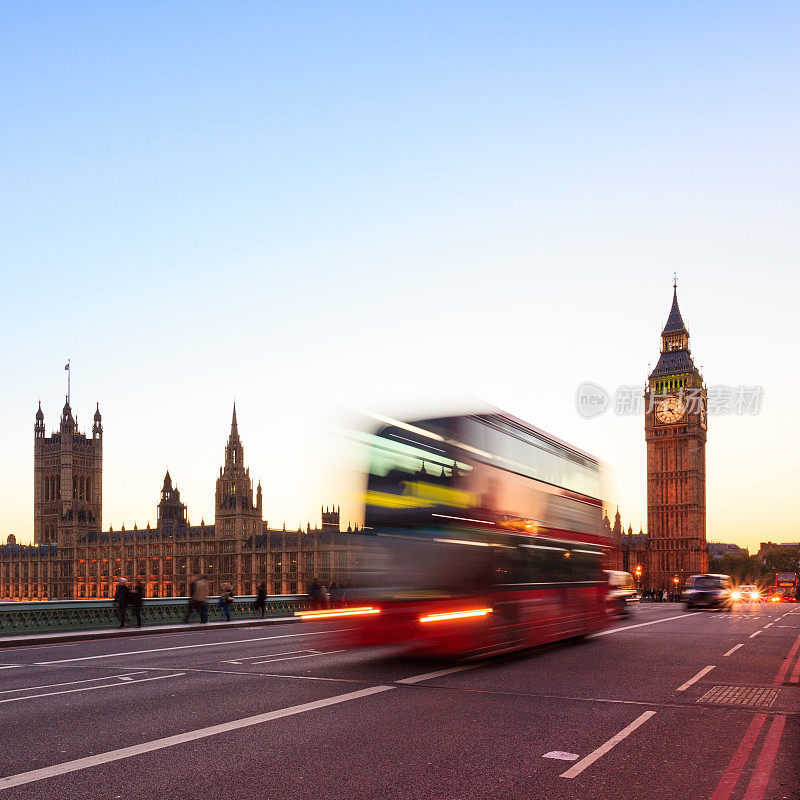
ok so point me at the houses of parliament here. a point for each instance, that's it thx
(73, 558)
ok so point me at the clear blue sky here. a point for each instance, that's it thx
(304, 206)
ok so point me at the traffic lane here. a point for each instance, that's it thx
(192, 635)
(39, 731)
(423, 741)
(645, 664)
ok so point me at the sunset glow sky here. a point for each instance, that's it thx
(395, 207)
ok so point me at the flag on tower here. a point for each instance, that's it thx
(66, 366)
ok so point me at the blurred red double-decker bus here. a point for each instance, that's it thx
(482, 535)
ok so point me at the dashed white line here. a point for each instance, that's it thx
(609, 631)
(88, 689)
(170, 741)
(437, 674)
(696, 678)
(186, 647)
(604, 748)
(238, 661)
(67, 683)
(753, 635)
(291, 658)
(733, 650)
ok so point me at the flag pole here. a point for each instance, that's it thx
(69, 378)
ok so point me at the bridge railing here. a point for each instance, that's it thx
(67, 615)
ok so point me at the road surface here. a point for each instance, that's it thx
(666, 704)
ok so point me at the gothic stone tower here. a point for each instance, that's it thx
(675, 431)
(236, 515)
(171, 511)
(67, 480)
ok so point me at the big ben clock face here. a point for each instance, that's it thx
(670, 409)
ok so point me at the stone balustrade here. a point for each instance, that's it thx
(68, 615)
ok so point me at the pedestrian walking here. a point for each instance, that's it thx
(260, 603)
(137, 600)
(337, 595)
(200, 598)
(190, 602)
(318, 595)
(226, 600)
(122, 596)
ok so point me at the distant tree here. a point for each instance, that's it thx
(782, 559)
(743, 569)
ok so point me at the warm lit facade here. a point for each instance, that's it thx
(73, 559)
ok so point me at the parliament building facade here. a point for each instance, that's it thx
(73, 558)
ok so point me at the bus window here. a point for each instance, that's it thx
(536, 563)
(585, 566)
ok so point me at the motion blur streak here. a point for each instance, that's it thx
(475, 612)
(345, 612)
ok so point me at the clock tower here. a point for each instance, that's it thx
(675, 427)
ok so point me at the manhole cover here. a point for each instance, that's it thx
(750, 696)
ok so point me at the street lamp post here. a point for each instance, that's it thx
(638, 572)
(676, 581)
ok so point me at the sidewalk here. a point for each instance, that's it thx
(26, 639)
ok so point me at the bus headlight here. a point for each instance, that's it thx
(736, 595)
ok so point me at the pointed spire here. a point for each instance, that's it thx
(234, 425)
(674, 320)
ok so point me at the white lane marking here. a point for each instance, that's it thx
(238, 661)
(125, 678)
(186, 647)
(696, 678)
(576, 769)
(11, 666)
(753, 635)
(733, 649)
(768, 625)
(561, 755)
(291, 658)
(170, 741)
(639, 625)
(437, 674)
(89, 689)
(67, 683)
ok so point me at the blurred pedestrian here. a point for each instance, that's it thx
(226, 600)
(137, 600)
(336, 594)
(122, 596)
(318, 595)
(260, 603)
(200, 598)
(190, 600)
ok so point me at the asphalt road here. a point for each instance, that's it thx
(270, 713)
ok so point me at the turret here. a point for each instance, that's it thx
(38, 428)
(97, 426)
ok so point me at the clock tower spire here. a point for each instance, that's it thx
(675, 432)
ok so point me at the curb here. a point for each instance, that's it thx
(128, 633)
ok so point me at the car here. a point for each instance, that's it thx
(746, 594)
(621, 592)
(708, 591)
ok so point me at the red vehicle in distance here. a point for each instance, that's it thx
(785, 588)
